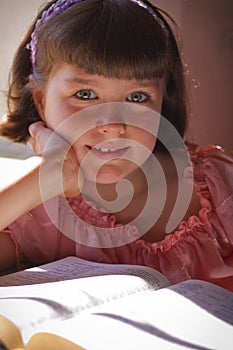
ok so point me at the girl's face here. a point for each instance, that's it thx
(71, 90)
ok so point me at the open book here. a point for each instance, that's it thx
(103, 307)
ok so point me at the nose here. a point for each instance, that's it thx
(114, 129)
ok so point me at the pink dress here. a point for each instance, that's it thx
(201, 247)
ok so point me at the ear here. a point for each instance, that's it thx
(38, 97)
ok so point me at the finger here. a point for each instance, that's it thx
(32, 143)
(40, 135)
(34, 128)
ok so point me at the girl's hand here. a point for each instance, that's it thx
(60, 168)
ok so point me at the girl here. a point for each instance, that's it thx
(80, 66)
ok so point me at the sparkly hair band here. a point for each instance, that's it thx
(61, 5)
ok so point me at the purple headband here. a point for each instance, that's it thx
(62, 5)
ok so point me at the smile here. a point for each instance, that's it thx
(105, 150)
(109, 153)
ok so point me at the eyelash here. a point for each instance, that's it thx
(147, 96)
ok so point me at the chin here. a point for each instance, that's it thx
(107, 174)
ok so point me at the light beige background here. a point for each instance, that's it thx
(207, 28)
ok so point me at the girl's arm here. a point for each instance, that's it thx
(16, 199)
(58, 172)
(20, 196)
(51, 173)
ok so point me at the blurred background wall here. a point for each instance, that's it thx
(207, 29)
(208, 47)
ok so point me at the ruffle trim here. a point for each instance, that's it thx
(87, 211)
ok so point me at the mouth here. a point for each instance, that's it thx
(108, 153)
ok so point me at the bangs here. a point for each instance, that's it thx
(116, 39)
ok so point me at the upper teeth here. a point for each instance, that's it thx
(104, 149)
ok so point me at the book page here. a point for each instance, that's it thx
(193, 315)
(74, 267)
(215, 300)
(121, 308)
(30, 305)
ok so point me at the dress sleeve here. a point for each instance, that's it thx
(202, 247)
(214, 175)
(37, 239)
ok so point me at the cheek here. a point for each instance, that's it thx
(150, 141)
(143, 146)
(53, 114)
(58, 118)
(56, 110)
(143, 138)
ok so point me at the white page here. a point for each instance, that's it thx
(119, 311)
(30, 305)
(164, 319)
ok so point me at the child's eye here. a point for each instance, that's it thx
(137, 97)
(86, 94)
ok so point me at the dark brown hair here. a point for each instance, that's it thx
(113, 38)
